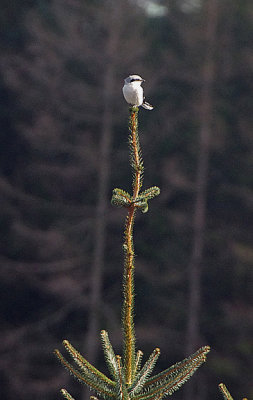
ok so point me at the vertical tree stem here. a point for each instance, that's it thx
(128, 284)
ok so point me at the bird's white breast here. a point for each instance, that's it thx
(133, 94)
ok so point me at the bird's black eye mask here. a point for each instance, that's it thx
(135, 79)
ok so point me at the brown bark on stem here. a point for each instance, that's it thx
(128, 288)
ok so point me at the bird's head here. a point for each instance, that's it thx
(135, 79)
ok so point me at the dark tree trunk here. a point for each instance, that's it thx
(96, 282)
(205, 110)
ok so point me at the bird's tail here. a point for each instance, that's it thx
(146, 105)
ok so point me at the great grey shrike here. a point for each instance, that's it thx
(133, 92)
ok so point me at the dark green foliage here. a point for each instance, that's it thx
(121, 198)
(225, 393)
(143, 387)
(142, 200)
(66, 394)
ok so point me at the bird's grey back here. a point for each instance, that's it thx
(128, 79)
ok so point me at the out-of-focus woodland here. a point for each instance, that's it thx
(64, 148)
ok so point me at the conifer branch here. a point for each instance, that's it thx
(99, 388)
(85, 366)
(225, 392)
(66, 394)
(121, 387)
(109, 354)
(149, 193)
(138, 360)
(120, 198)
(145, 372)
(174, 377)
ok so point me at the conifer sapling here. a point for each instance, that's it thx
(129, 379)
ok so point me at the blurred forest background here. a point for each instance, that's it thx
(64, 148)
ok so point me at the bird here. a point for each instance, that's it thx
(133, 92)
